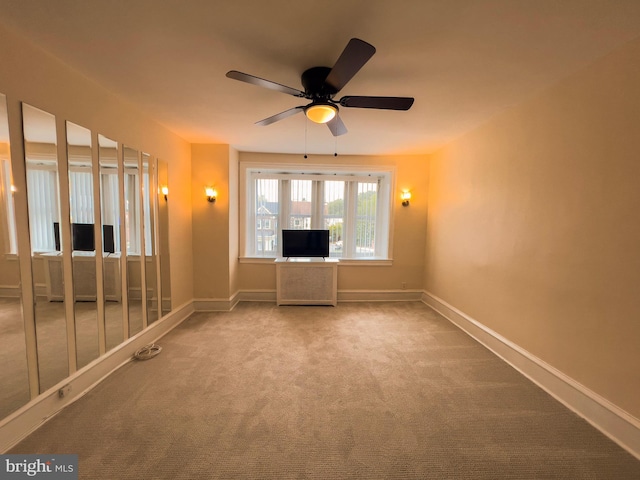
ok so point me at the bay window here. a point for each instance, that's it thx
(354, 205)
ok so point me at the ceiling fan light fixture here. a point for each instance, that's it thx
(321, 112)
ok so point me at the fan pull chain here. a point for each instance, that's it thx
(306, 122)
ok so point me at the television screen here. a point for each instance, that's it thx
(108, 243)
(83, 239)
(305, 243)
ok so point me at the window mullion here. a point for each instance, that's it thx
(251, 243)
(285, 210)
(381, 247)
(350, 204)
(317, 204)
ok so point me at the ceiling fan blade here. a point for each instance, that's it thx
(353, 57)
(280, 116)
(336, 126)
(261, 82)
(384, 103)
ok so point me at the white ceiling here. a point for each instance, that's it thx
(462, 60)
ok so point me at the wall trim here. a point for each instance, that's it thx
(620, 426)
(225, 305)
(216, 304)
(257, 296)
(34, 414)
(379, 295)
(10, 291)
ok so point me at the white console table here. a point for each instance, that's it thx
(307, 281)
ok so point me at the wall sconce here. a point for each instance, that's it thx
(165, 191)
(211, 194)
(405, 196)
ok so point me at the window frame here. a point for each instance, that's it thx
(384, 215)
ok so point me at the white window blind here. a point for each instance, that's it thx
(110, 203)
(42, 198)
(42, 194)
(81, 196)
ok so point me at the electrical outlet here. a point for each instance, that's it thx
(64, 391)
(404, 285)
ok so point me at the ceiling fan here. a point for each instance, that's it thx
(321, 84)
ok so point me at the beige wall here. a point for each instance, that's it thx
(211, 228)
(32, 76)
(409, 226)
(533, 226)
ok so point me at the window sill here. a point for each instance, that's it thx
(364, 262)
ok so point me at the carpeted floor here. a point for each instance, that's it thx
(51, 335)
(371, 391)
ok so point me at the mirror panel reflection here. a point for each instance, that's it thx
(13, 353)
(131, 216)
(163, 236)
(46, 234)
(133, 227)
(83, 241)
(110, 212)
(149, 224)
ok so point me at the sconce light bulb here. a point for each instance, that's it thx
(405, 196)
(211, 194)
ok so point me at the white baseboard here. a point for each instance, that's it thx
(225, 305)
(215, 304)
(10, 291)
(22, 422)
(257, 296)
(379, 295)
(615, 423)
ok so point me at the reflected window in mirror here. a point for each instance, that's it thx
(112, 261)
(134, 211)
(40, 144)
(85, 239)
(42, 191)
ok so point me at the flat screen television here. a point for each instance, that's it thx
(305, 243)
(83, 239)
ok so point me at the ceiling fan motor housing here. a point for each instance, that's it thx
(313, 81)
